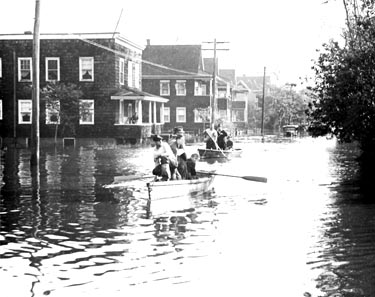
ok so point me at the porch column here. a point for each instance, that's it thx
(139, 111)
(162, 113)
(121, 111)
(154, 111)
(149, 112)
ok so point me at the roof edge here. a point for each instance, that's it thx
(98, 35)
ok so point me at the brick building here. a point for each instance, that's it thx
(107, 69)
(182, 80)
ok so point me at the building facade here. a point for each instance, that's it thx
(105, 67)
(176, 72)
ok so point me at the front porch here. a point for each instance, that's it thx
(138, 115)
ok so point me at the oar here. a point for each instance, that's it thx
(246, 177)
(121, 181)
(124, 178)
(217, 146)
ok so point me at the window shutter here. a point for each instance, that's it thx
(130, 77)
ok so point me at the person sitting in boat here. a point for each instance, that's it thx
(222, 138)
(165, 160)
(229, 143)
(178, 148)
(190, 163)
(210, 136)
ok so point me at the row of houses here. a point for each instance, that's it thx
(128, 91)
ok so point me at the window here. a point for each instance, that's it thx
(133, 74)
(1, 109)
(200, 89)
(1, 68)
(223, 114)
(180, 114)
(238, 115)
(197, 117)
(86, 112)
(181, 88)
(167, 115)
(52, 69)
(122, 71)
(164, 88)
(24, 111)
(86, 69)
(24, 69)
(202, 115)
(53, 112)
(222, 94)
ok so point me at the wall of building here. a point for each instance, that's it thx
(190, 101)
(106, 82)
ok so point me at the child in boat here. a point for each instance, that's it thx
(190, 163)
(229, 143)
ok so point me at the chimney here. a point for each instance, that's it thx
(148, 41)
(28, 33)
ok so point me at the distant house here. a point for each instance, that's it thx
(255, 83)
(223, 91)
(176, 72)
(106, 67)
(244, 103)
(229, 75)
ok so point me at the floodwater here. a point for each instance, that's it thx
(308, 231)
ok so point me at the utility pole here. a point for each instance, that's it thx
(35, 134)
(213, 103)
(14, 99)
(264, 91)
(291, 85)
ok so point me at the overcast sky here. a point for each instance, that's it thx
(281, 35)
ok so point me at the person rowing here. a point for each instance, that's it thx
(211, 137)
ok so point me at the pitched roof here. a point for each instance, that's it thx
(131, 94)
(254, 83)
(186, 58)
(209, 65)
(228, 74)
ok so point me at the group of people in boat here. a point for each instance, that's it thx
(171, 162)
(217, 138)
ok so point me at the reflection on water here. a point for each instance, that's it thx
(308, 232)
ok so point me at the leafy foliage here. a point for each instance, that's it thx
(283, 106)
(344, 91)
(63, 99)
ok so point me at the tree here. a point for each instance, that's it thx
(284, 106)
(344, 92)
(62, 106)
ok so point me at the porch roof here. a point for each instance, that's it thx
(134, 94)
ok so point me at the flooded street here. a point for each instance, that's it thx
(307, 232)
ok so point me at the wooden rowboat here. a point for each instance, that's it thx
(212, 153)
(166, 196)
(175, 188)
(175, 195)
